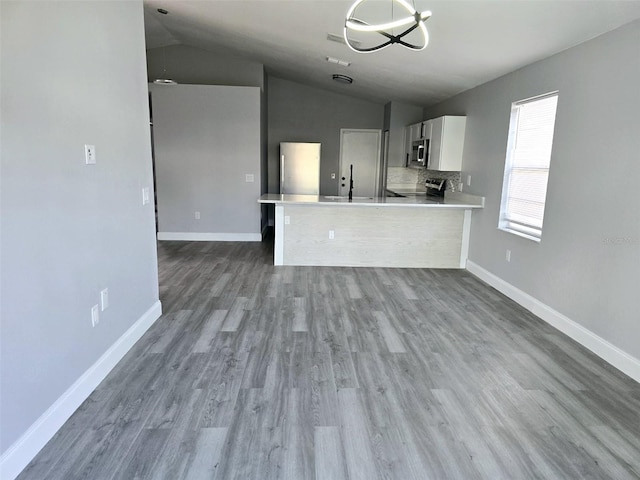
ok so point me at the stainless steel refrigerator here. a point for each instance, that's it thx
(300, 168)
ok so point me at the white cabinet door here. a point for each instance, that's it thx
(416, 131)
(446, 143)
(435, 143)
(411, 135)
(427, 128)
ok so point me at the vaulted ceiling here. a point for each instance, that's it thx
(471, 41)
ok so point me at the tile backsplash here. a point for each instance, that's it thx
(403, 176)
(412, 177)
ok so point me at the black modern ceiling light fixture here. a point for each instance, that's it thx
(163, 80)
(414, 21)
(342, 78)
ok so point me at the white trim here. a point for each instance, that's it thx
(18, 455)
(466, 231)
(608, 352)
(527, 225)
(210, 237)
(278, 243)
(519, 234)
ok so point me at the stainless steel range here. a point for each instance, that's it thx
(436, 187)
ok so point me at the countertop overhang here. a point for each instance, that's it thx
(451, 200)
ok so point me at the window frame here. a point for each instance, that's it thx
(509, 225)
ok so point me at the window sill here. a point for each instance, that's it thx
(520, 234)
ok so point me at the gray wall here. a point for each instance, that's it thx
(298, 113)
(192, 65)
(587, 265)
(72, 73)
(264, 164)
(400, 115)
(207, 138)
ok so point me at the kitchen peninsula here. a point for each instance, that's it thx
(400, 232)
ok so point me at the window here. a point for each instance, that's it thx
(526, 170)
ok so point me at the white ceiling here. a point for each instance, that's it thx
(471, 41)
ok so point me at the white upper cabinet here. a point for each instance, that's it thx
(412, 134)
(427, 128)
(416, 132)
(446, 143)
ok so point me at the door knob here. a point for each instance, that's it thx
(343, 178)
(343, 184)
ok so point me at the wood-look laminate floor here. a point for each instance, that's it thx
(263, 372)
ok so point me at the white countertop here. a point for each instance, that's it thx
(451, 200)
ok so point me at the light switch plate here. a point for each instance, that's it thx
(95, 316)
(287, 220)
(249, 178)
(145, 195)
(104, 299)
(331, 234)
(90, 154)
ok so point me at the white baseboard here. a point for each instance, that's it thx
(210, 237)
(608, 352)
(18, 455)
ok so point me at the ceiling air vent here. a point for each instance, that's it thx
(340, 39)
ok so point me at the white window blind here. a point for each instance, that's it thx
(527, 165)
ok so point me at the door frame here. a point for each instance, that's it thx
(385, 162)
(378, 159)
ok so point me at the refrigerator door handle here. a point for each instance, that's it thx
(281, 174)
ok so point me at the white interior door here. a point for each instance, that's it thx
(360, 148)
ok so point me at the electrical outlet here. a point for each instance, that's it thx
(145, 195)
(331, 234)
(333, 176)
(197, 215)
(249, 178)
(90, 154)
(104, 299)
(287, 220)
(468, 180)
(95, 316)
(508, 256)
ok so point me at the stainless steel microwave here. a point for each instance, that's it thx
(419, 152)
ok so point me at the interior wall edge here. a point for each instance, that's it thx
(615, 356)
(23, 450)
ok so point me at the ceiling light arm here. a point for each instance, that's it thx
(414, 21)
(392, 38)
(405, 44)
